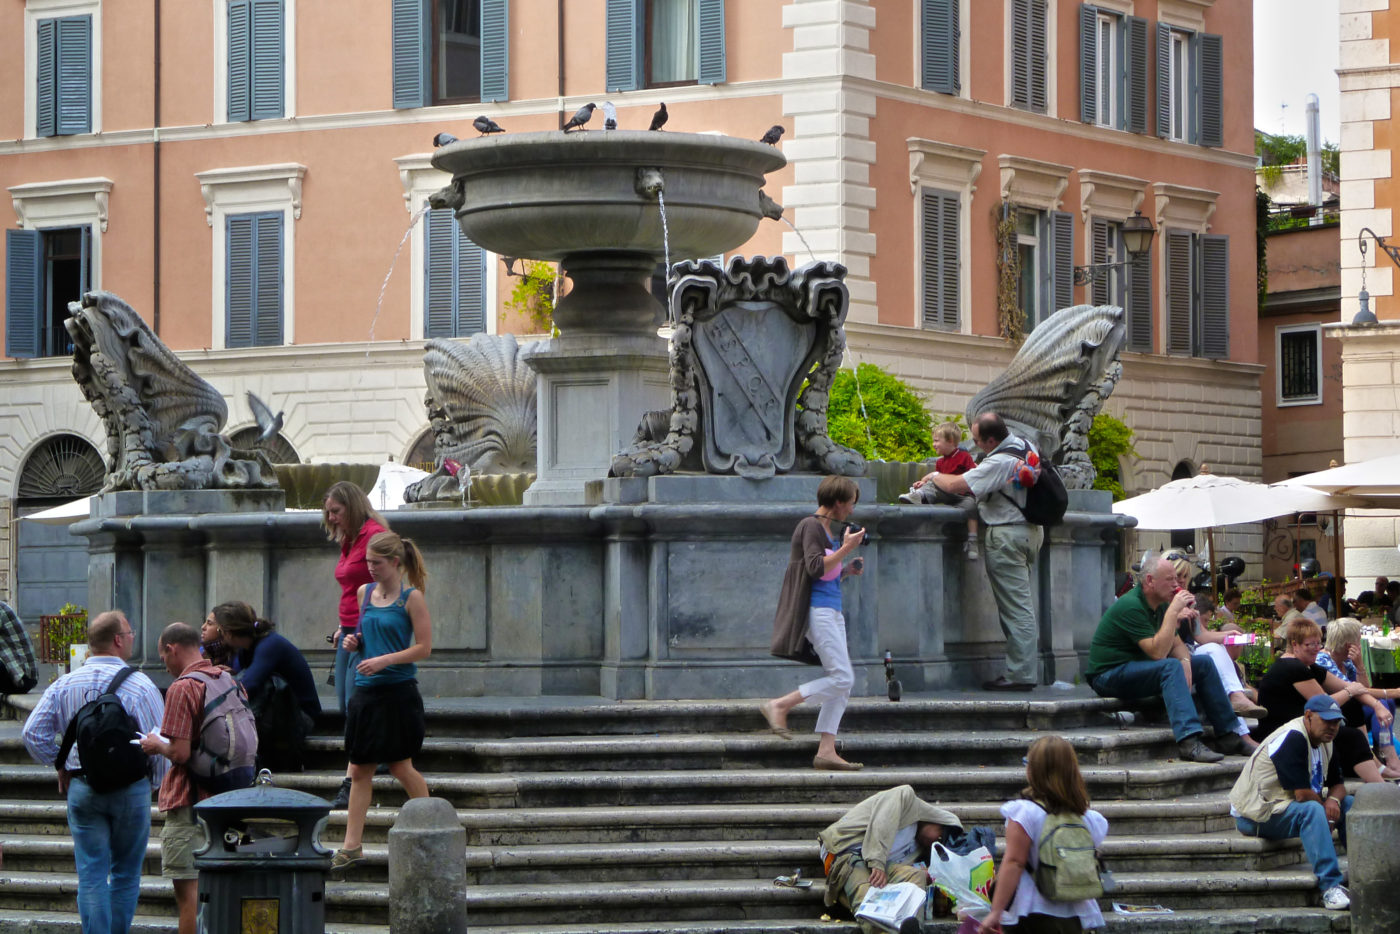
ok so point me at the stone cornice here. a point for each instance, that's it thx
(1183, 207)
(214, 181)
(29, 199)
(1033, 183)
(1112, 197)
(943, 165)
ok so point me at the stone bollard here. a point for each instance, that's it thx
(427, 869)
(1373, 826)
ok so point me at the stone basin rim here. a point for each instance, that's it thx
(580, 150)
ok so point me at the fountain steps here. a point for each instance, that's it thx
(606, 824)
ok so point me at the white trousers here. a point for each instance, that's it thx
(1229, 675)
(826, 630)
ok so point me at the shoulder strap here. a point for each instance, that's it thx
(369, 590)
(70, 732)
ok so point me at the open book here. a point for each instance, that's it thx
(888, 906)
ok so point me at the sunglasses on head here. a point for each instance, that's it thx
(1176, 556)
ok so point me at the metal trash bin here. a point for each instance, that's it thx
(263, 869)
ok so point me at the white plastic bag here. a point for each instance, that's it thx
(967, 880)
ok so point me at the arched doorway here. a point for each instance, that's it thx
(51, 566)
(1184, 538)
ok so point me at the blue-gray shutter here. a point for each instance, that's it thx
(1039, 57)
(1164, 80)
(624, 45)
(1020, 54)
(940, 260)
(439, 314)
(1137, 309)
(267, 322)
(1088, 64)
(74, 71)
(268, 59)
(410, 42)
(495, 50)
(941, 35)
(240, 281)
(1135, 67)
(1062, 259)
(1099, 293)
(712, 68)
(1179, 246)
(46, 78)
(240, 27)
(470, 278)
(24, 296)
(1211, 91)
(1215, 296)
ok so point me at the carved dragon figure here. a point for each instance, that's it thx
(742, 353)
(1057, 383)
(481, 404)
(163, 422)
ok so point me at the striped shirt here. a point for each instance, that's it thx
(43, 731)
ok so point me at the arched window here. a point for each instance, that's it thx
(61, 468)
(1183, 538)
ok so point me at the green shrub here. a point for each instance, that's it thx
(1109, 439)
(895, 425)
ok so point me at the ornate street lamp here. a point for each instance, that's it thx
(1137, 234)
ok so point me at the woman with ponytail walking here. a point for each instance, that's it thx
(384, 720)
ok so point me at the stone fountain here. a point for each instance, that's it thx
(594, 202)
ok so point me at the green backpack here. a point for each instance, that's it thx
(1068, 869)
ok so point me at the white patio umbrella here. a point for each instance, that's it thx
(63, 514)
(1377, 479)
(387, 492)
(1206, 501)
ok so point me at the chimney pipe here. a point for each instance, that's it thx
(1314, 161)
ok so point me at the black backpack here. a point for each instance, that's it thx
(104, 731)
(1047, 499)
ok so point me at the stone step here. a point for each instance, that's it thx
(531, 905)
(555, 862)
(1288, 921)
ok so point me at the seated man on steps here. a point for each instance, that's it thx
(876, 842)
(1136, 653)
(1292, 787)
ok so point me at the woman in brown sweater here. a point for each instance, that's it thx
(810, 619)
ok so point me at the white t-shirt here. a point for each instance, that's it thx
(1028, 899)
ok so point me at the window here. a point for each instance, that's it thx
(253, 256)
(1045, 249)
(1128, 286)
(941, 286)
(941, 35)
(454, 277)
(1299, 351)
(1198, 294)
(1029, 55)
(1189, 86)
(44, 271)
(256, 59)
(655, 43)
(63, 76)
(450, 51)
(1112, 69)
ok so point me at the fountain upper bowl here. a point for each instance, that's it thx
(549, 195)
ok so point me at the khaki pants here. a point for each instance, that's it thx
(850, 880)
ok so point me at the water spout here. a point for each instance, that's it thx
(379, 305)
(650, 183)
(666, 251)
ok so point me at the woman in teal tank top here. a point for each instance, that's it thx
(384, 717)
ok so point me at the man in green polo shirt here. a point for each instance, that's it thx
(1136, 653)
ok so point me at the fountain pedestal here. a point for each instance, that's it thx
(592, 390)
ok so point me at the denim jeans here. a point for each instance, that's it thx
(1307, 821)
(1136, 680)
(345, 663)
(109, 830)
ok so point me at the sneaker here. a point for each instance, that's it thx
(1193, 750)
(341, 801)
(1231, 744)
(912, 498)
(970, 549)
(344, 859)
(1336, 899)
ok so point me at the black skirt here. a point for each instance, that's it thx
(384, 723)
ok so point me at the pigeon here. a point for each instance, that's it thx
(485, 125)
(580, 117)
(609, 116)
(658, 119)
(774, 133)
(442, 139)
(268, 424)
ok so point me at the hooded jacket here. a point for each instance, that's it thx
(871, 826)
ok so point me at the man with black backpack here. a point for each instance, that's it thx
(211, 740)
(86, 726)
(1011, 538)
